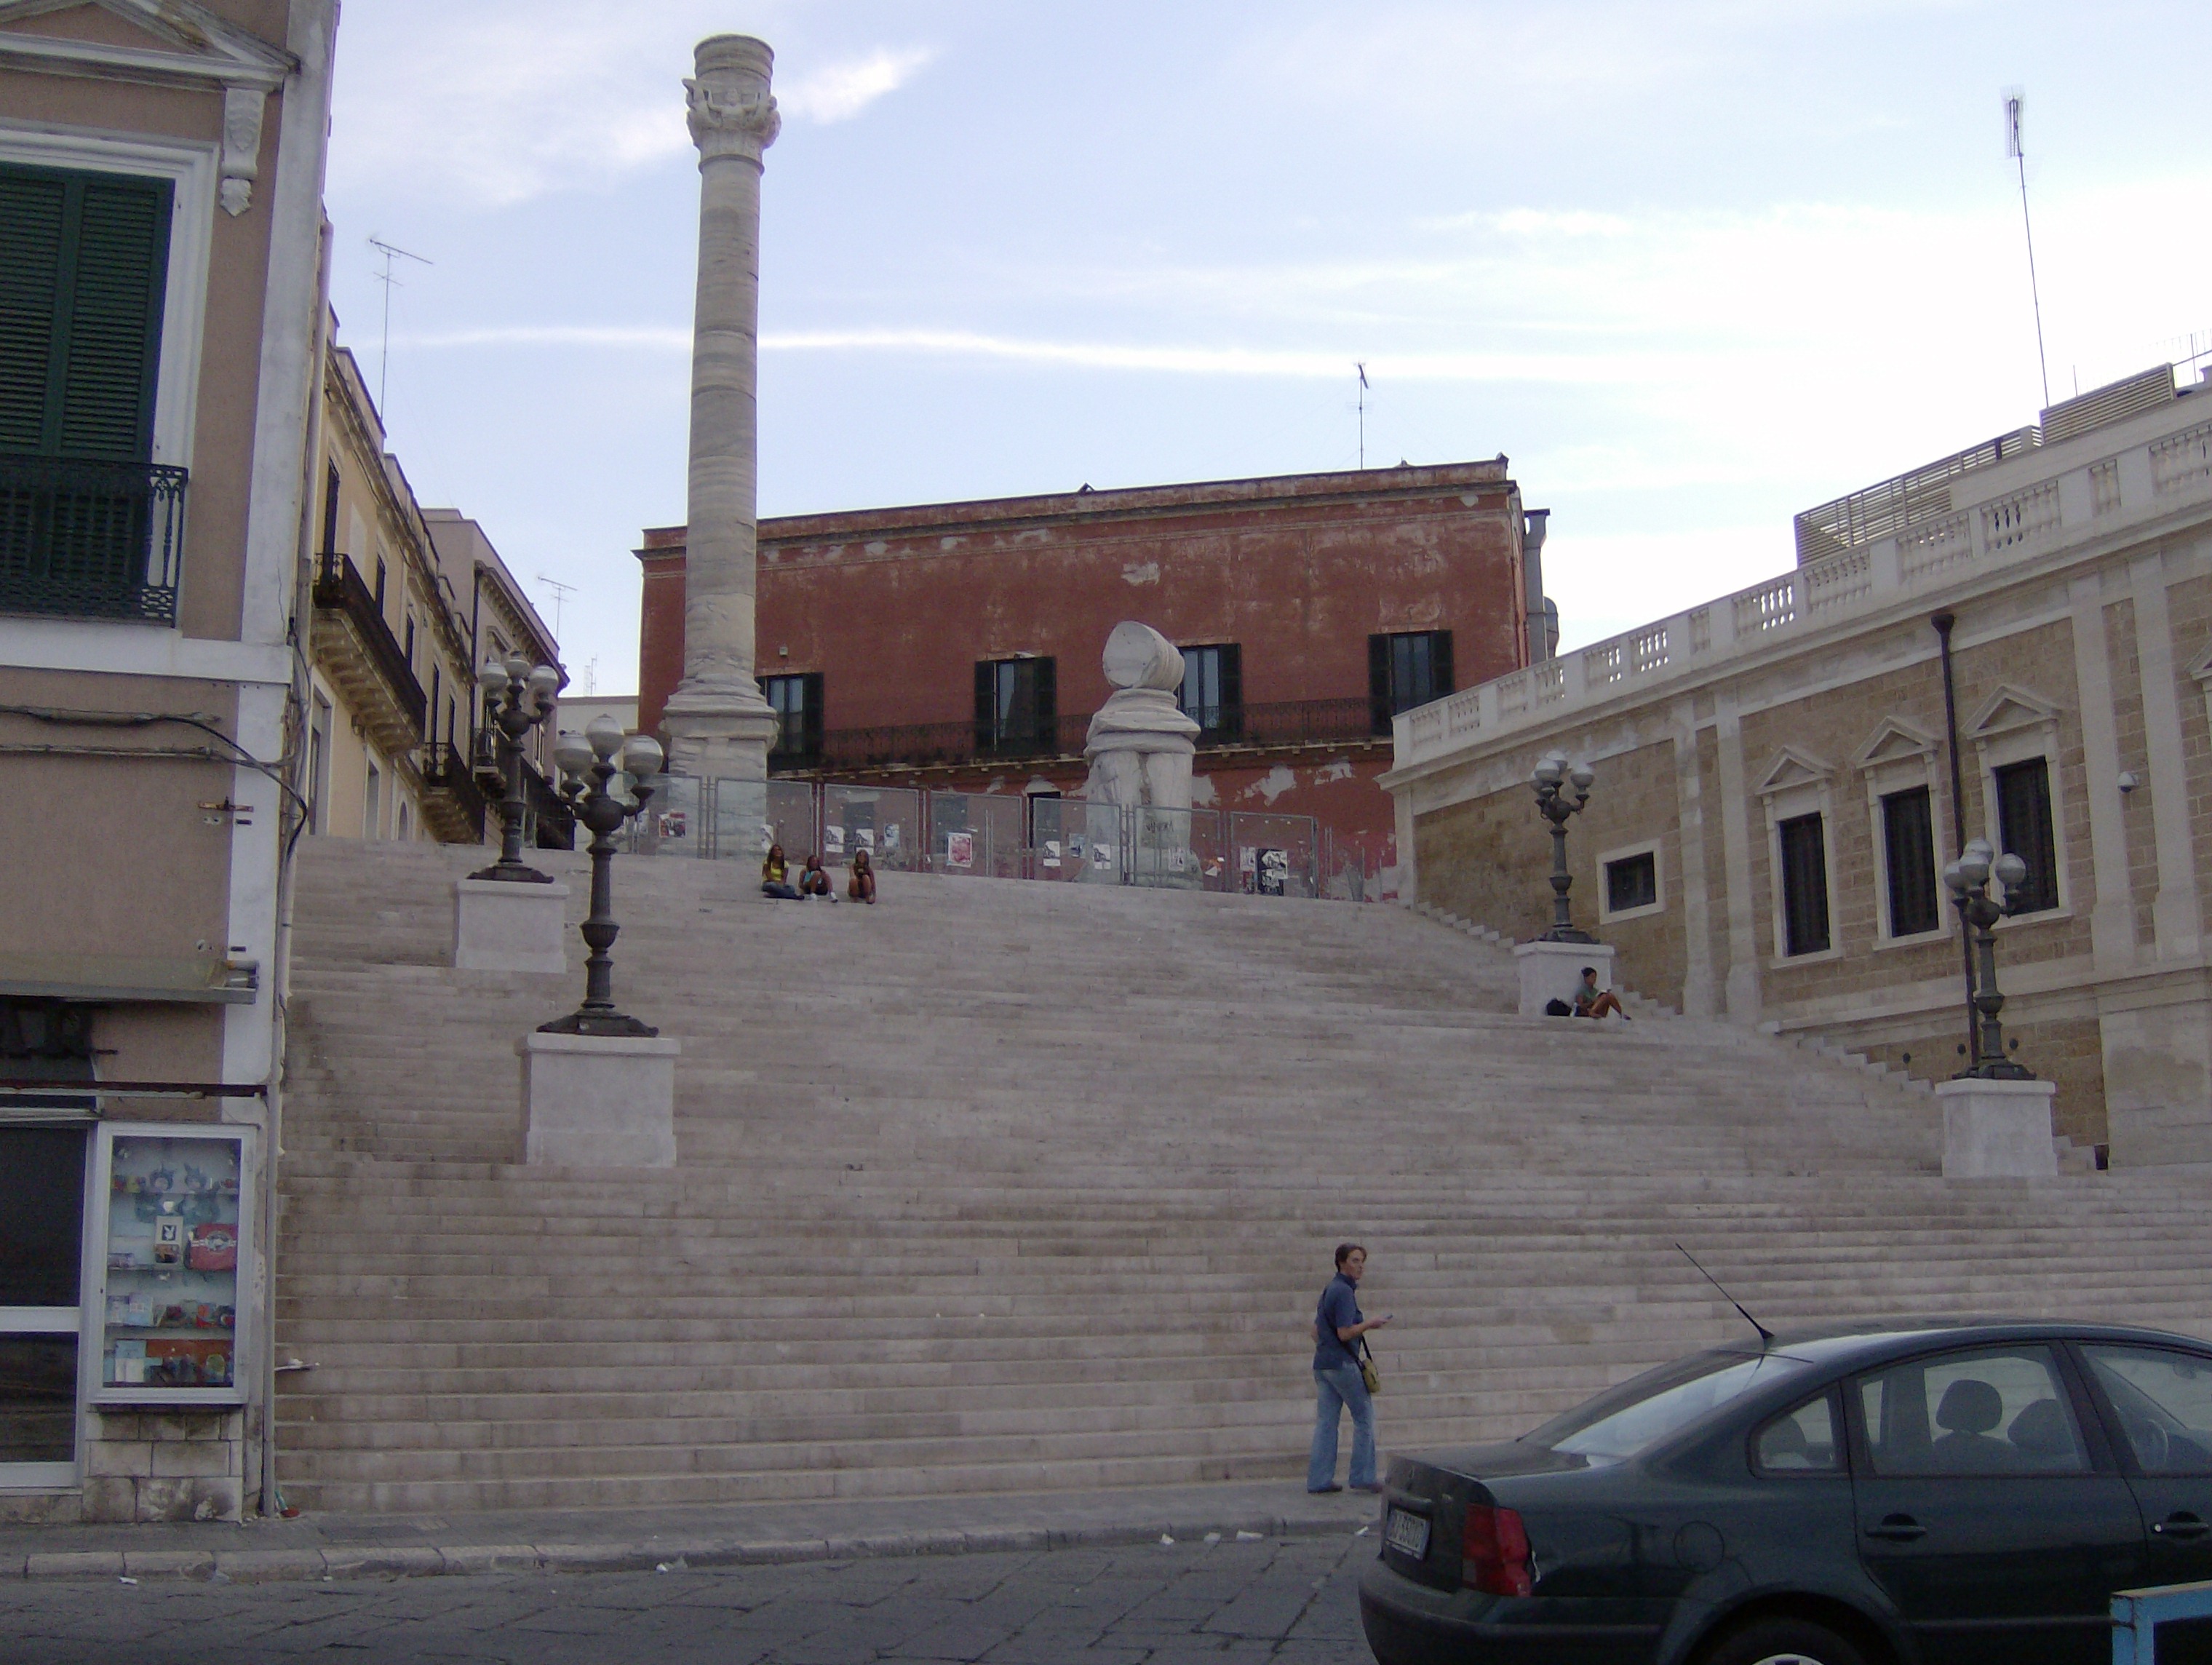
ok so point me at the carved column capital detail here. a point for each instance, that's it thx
(241, 146)
(725, 123)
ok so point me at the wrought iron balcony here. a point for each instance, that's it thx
(87, 540)
(451, 799)
(360, 653)
(938, 745)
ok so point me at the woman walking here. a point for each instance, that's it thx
(1338, 1384)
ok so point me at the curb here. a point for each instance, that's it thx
(264, 1567)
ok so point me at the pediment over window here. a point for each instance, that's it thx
(2200, 666)
(2010, 710)
(1895, 741)
(1794, 767)
(166, 42)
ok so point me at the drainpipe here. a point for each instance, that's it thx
(1943, 622)
(1535, 615)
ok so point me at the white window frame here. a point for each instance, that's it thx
(1899, 757)
(1796, 784)
(1628, 852)
(65, 1320)
(192, 169)
(2014, 726)
(92, 1348)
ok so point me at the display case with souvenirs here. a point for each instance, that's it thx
(174, 1228)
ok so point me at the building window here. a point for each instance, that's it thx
(372, 803)
(797, 702)
(1212, 691)
(1908, 836)
(318, 765)
(379, 583)
(1632, 883)
(2024, 828)
(1404, 669)
(1804, 885)
(1017, 706)
(330, 508)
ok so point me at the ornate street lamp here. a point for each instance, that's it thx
(517, 698)
(587, 767)
(1968, 880)
(1552, 774)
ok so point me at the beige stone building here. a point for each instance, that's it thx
(161, 295)
(1775, 794)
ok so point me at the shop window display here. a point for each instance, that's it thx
(172, 1258)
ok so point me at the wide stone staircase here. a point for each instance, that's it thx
(1016, 1186)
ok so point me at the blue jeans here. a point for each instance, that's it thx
(1337, 1389)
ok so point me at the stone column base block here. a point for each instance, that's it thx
(1553, 971)
(499, 927)
(598, 1101)
(1997, 1129)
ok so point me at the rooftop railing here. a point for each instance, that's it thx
(87, 540)
(2003, 521)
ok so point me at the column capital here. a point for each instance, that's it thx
(731, 111)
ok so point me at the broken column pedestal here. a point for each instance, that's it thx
(502, 926)
(598, 1101)
(1997, 1129)
(1553, 971)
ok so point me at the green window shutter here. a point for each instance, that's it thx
(31, 214)
(115, 325)
(84, 261)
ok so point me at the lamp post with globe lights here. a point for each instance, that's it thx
(1554, 774)
(1968, 880)
(588, 769)
(517, 696)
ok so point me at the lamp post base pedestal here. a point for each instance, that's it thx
(510, 927)
(1553, 971)
(598, 1101)
(1997, 1129)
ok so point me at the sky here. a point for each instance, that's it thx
(1692, 267)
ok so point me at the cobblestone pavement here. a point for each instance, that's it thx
(1291, 1601)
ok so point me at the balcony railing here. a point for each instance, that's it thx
(447, 775)
(340, 588)
(556, 820)
(85, 539)
(922, 745)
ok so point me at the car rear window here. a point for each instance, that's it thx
(1632, 1418)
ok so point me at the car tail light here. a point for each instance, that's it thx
(1494, 1552)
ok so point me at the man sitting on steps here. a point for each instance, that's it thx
(1591, 1001)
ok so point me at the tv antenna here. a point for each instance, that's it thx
(2015, 101)
(561, 593)
(1361, 368)
(385, 277)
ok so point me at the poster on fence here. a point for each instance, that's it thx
(833, 839)
(1274, 872)
(960, 849)
(1052, 853)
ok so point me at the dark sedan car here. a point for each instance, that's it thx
(1958, 1494)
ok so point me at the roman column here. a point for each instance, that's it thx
(718, 724)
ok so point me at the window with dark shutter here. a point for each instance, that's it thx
(1804, 885)
(1406, 669)
(1631, 882)
(1213, 693)
(2025, 830)
(797, 702)
(1017, 706)
(1908, 853)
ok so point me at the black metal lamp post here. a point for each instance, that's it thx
(517, 698)
(1553, 773)
(1968, 880)
(587, 766)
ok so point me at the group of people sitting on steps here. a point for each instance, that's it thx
(814, 879)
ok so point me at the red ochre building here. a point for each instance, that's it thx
(954, 646)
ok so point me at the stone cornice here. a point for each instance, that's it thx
(212, 51)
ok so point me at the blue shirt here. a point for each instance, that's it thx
(1339, 1311)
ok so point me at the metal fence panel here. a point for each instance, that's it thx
(976, 834)
(1277, 855)
(792, 819)
(884, 821)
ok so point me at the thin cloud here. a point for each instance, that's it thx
(838, 92)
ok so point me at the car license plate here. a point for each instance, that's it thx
(1407, 1532)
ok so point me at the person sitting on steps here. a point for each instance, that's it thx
(863, 885)
(1591, 1001)
(813, 881)
(774, 875)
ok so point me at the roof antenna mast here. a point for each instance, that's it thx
(2015, 101)
(1766, 1335)
(385, 278)
(1361, 368)
(560, 594)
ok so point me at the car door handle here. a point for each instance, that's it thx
(1898, 1529)
(2182, 1524)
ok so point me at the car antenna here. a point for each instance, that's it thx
(1766, 1335)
